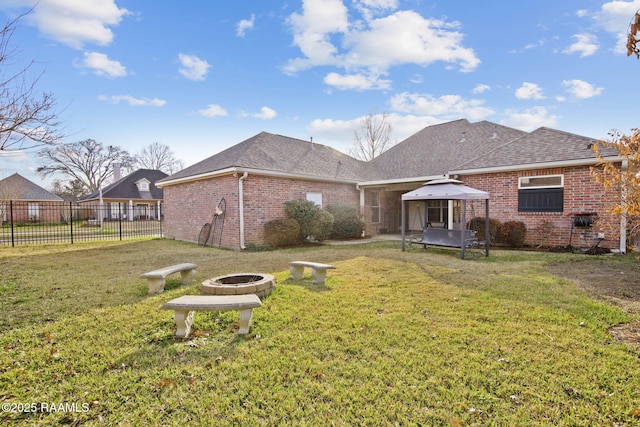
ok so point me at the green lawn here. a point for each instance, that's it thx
(393, 338)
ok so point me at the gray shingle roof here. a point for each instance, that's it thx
(277, 153)
(16, 187)
(435, 150)
(126, 187)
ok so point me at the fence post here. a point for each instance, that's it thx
(13, 242)
(71, 221)
(120, 218)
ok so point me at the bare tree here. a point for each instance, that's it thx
(373, 138)
(89, 162)
(158, 156)
(27, 120)
(70, 191)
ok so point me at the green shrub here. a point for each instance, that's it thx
(346, 221)
(323, 226)
(305, 212)
(282, 232)
(479, 224)
(512, 233)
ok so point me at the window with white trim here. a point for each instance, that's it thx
(315, 197)
(544, 193)
(437, 212)
(33, 211)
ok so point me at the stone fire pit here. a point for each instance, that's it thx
(239, 284)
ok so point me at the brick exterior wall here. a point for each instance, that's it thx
(581, 194)
(47, 212)
(188, 206)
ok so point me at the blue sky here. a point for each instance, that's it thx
(201, 76)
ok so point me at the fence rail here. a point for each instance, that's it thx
(30, 223)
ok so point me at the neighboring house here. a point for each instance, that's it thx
(133, 197)
(541, 178)
(28, 201)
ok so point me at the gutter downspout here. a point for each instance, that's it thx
(241, 207)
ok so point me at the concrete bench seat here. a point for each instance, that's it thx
(318, 270)
(156, 278)
(186, 305)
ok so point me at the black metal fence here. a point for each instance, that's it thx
(32, 223)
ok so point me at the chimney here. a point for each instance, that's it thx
(116, 172)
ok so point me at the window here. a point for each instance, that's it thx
(437, 212)
(34, 211)
(143, 184)
(315, 198)
(541, 193)
(549, 181)
(375, 207)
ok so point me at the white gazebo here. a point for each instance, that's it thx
(449, 189)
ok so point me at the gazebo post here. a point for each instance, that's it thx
(402, 221)
(486, 228)
(463, 228)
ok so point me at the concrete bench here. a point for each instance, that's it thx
(187, 305)
(318, 270)
(156, 278)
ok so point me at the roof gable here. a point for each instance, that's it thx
(16, 187)
(127, 188)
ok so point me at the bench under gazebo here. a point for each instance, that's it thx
(448, 189)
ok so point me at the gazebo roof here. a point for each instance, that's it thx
(445, 189)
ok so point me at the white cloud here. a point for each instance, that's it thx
(446, 106)
(614, 17)
(530, 119)
(581, 13)
(102, 65)
(312, 32)
(73, 22)
(529, 91)
(326, 37)
(356, 81)
(265, 113)
(213, 110)
(481, 88)
(244, 25)
(585, 45)
(370, 8)
(580, 89)
(192, 67)
(134, 102)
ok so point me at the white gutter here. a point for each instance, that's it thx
(528, 166)
(241, 207)
(235, 170)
